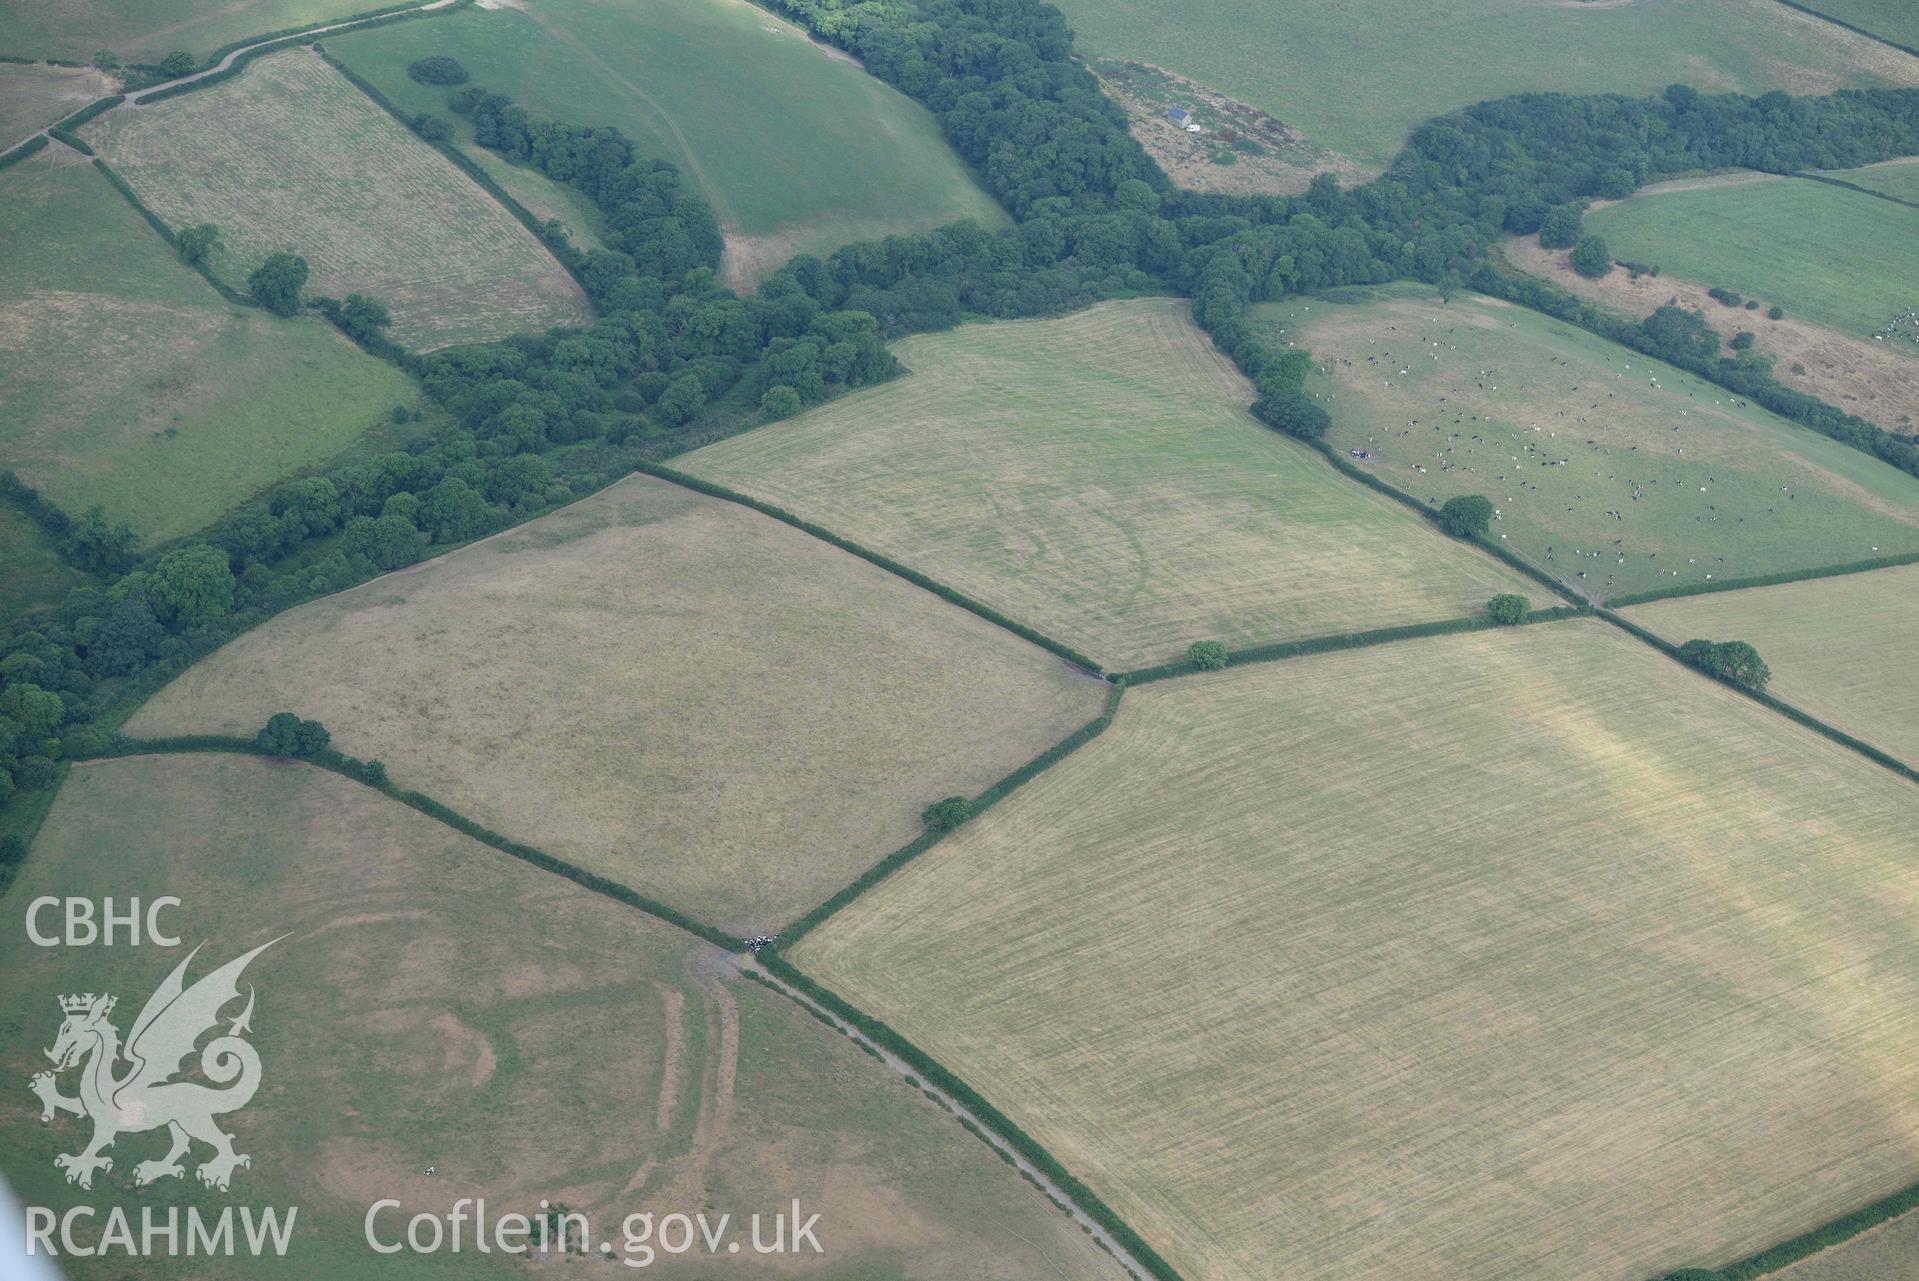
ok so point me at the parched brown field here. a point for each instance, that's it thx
(1885, 1253)
(1839, 648)
(290, 156)
(1098, 477)
(37, 95)
(1875, 380)
(672, 690)
(1492, 957)
(437, 1003)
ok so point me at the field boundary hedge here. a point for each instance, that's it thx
(1853, 186)
(99, 106)
(993, 795)
(1025, 1144)
(1852, 27)
(885, 562)
(159, 224)
(563, 253)
(31, 146)
(73, 140)
(234, 46)
(1763, 580)
(1823, 1237)
(1279, 650)
(349, 768)
(1764, 699)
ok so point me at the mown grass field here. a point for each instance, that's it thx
(797, 149)
(125, 380)
(35, 574)
(1359, 76)
(1612, 470)
(148, 30)
(319, 170)
(1888, 19)
(33, 97)
(1840, 648)
(1098, 477)
(437, 1003)
(671, 690)
(1497, 956)
(1841, 258)
(1894, 177)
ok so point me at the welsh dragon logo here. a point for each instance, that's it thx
(145, 1096)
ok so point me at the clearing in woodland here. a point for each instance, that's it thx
(1360, 75)
(1839, 648)
(797, 149)
(125, 380)
(1461, 958)
(435, 1003)
(668, 689)
(1098, 477)
(1609, 469)
(290, 156)
(1841, 258)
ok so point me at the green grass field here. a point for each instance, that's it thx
(1893, 177)
(148, 30)
(436, 1003)
(1839, 648)
(1099, 478)
(1894, 20)
(1360, 75)
(671, 690)
(1515, 954)
(320, 170)
(126, 381)
(35, 574)
(33, 97)
(1616, 472)
(798, 150)
(1838, 257)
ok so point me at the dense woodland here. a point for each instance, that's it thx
(536, 421)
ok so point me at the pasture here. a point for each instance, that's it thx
(1841, 258)
(126, 382)
(1893, 20)
(1609, 469)
(670, 690)
(33, 97)
(797, 149)
(1357, 77)
(320, 170)
(35, 573)
(149, 30)
(1464, 957)
(437, 1003)
(1098, 477)
(1839, 648)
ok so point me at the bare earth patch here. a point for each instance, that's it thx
(1874, 380)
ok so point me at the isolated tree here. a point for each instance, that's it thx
(191, 585)
(277, 282)
(177, 63)
(1775, 312)
(195, 243)
(106, 60)
(1561, 227)
(438, 69)
(1591, 258)
(944, 816)
(1466, 515)
(1508, 609)
(1742, 340)
(1208, 656)
(285, 734)
(780, 401)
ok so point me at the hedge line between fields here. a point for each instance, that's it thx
(99, 106)
(563, 253)
(1857, 30)
(1763, 580)
(884, 561)
(1853, 186)
(926, 840)
(348, 767)
(159, 224)
(213, 59)
(31, 146)
(1022, 1142)
(1841, 1229)
(73, 140)
(1760, 696)
(1346, 640)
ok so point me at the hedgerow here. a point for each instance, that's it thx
(159, 224)
(1763, 580)
(70, 139)
(31, 146)
(92, 109)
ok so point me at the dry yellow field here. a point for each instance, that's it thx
(672, 690)
(1501, 956)
(1839, 648)
(290, 156)
(1098, 477)
(437, 1003)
